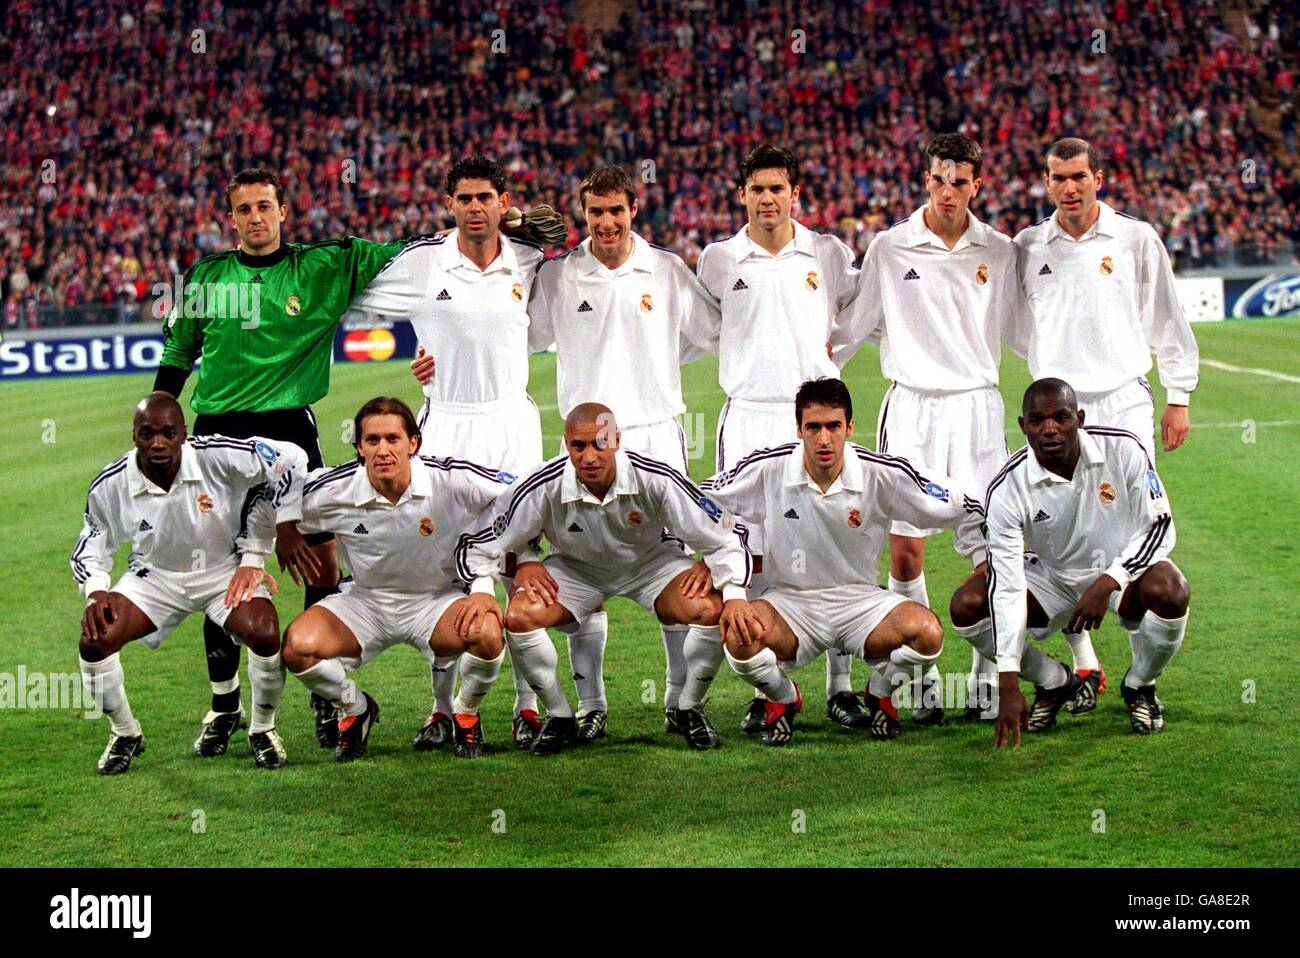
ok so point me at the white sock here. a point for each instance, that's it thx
(266, 676)
(226, 685)
(1085, 656)
(906, 665)
(105, 679)
(1154, 643)
(982, 685)
(587, 659)
(329, 679)
(476, 677)
(839, 672)
(533, 654)
(443, 674)
(1043, 670)
(913, 589)
(674, 637)
(764, 674)
(703, 650)
(878, 685)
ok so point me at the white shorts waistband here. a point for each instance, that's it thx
(476, 408)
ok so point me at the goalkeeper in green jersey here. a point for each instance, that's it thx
(263, 316)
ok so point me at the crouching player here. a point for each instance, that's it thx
(611, 517)
(396, 517)
(1079, 499)
(183, 504)
(825, 507)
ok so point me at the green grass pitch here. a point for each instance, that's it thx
(1218, 789)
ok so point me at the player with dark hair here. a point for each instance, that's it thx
(183, 504)
(1074, 494)
(397, 517)
(779, 287)
(941, 288)
(263, 316)
(1100, 298)
(830, 504)
(466, 294)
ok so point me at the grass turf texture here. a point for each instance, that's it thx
(1218, 788)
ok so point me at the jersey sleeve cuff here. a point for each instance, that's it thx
(1177, 397)
(1008, 663)
(732, 591)
(96, 583)
(252, 560)
(484, 584)
(1117, 572)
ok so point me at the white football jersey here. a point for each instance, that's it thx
(649, 503)
(943, 313)
(777, 312)
(407, 546)
(821, 540)
(207, 518)
(474, 323)
(1112, 517)
(621, 335)
(1098, 305)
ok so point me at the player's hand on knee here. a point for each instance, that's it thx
(293, 553)
(98, 617)
(1013, 716)
(740, 622)
(535, 584)
(1092, 605)
(473, 610)
(698, 582)
(244, 583)
(422, 367)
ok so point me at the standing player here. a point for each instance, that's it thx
(183, 505)
(616, 521)
(397, 517)
(263, 317)
(779, 287)
(942, 288)
(623, 315)
(1101, 297)
(1076, 494)
(466, 294)
(831, 510)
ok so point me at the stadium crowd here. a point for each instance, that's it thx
(123, 123)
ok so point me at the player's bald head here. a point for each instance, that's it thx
(589, 414)
(1057, 391)
(159, 408)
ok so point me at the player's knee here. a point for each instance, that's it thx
(906, 563)
(262, 632)
(523, 616)
(485, 639)
(1165, 590)
(927, 634)
(706, 611)
(297, 650)
(969, 603)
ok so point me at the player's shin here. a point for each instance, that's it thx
(443, 680)
(223, 667)
(266, 676)
(534, 656)
(1154, 643)
(329, 679)
(103, 682)
(525, 697)
(1085, 656)
(839, 674)
(926, 677)
(476, 677)
(982, 685)
(674, 638)
(906, 667)
(703, 651)
(765, 674)
(587, 658)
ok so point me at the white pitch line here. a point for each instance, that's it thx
(1271, 374)
(1242, 424)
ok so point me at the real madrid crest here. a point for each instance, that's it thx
(855, 518)
(1107, 266)
(1106, 493)
(635, 518)
(982, 273)
(647, 303)
(426, 526)
(205, 502)
(811, 280)
(517, 292)
(293, 306)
